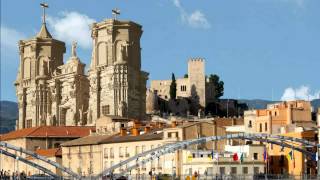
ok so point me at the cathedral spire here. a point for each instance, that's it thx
(44, 33)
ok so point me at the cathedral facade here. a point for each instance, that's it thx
(51, 92)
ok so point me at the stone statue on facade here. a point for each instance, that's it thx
(73, 49)
(49, 119)
(122, 110)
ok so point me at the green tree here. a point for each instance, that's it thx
(173, 87)
(218, 89)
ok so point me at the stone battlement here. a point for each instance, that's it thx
(197, 59)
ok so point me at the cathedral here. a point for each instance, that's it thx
(53, 93)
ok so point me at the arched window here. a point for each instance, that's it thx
(260, 127)
(265, 126)
(250, 124)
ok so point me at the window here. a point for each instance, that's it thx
(255, 156)
(106, 110)
(260, 127)
(233, 170)
(250, 124)
(120, 152)
(256, 170)
(69, 152)
(111, 153)
(105, 152)
(169, 135)
(56, 145)
(275, 113)
(265, 126)
(127, 152)
(183, 88)
(222, 170)
(29, 123)
(245, 170)
(63, 116)
(143, 148)
(137, 150)
(209, 170)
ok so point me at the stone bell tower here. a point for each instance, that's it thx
(117, 84)
(39, 57)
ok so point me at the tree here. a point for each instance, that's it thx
(217, 84)
(173, 87)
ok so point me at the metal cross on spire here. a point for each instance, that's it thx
(44, 6)
(115, 13)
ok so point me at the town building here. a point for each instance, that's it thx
(42, 140)
(223, 164)
(284, 160)
(289, 118)
(279, 118)
(91, 154)
(53, 154)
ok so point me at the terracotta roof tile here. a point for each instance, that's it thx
(49, 152)
(49, 131)
(54, 152)
(108, 139)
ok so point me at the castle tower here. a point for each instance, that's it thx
(39, 57)
(197, 81)
(117, 84)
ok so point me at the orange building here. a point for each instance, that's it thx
(289, 161)
(279, 118)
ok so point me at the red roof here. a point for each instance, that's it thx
(49, 152)
(54, 152)
(49, 131)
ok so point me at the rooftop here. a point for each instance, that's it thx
(116, 138)
(49, 131)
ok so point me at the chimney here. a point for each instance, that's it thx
(147, 129)
(173, 124)
(160, 125)
(135, 131)
(136, 124)
(123, 132)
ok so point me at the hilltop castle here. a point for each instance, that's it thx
(52, 93)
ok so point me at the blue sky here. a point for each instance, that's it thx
(259, 48)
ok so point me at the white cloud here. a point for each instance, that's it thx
(72, 26)
(303, 93)
(10, 38)
(196, 19)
